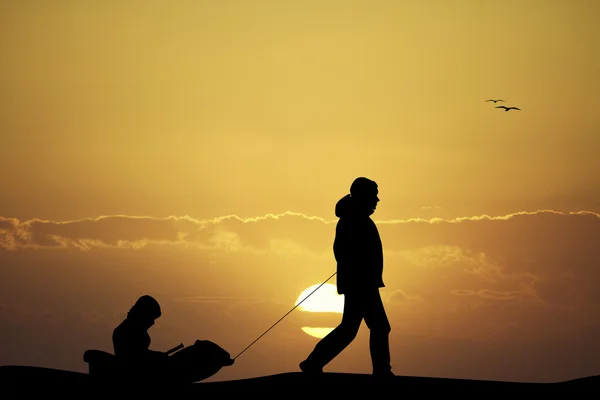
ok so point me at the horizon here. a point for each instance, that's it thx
(196, 153)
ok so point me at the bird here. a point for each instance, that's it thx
(508, 108)
(493, 100)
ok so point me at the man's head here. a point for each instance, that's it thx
(365, 192)
(145, 310)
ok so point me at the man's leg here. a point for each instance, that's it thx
(379, 344)
(338, 339)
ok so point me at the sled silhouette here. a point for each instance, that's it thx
(188, 365)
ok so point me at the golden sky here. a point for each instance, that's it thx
(195, 150)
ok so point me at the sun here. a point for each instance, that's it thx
(325, 299)
(319, 333)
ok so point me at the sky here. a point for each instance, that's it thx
(195, 151)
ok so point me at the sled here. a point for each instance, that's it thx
(185, 365)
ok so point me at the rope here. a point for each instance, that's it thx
(284, 316)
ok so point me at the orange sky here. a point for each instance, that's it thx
(150, 147)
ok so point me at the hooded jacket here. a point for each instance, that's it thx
(131, 343)
(357, 249)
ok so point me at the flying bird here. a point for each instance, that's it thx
(493, 100)
(508, 108)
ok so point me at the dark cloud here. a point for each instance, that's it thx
(491, 294)
(230, 232)
(109, 231)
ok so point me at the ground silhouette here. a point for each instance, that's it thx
(21, 381)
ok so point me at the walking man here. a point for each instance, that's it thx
(359, 255)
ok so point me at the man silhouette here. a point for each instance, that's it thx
(359, 255)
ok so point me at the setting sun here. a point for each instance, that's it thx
(324, 300)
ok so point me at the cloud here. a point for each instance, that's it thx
(121, 231)
(545, 255)
(399, 296)
(501, 279)
(114, 231)
(430, 208)
(526, 251)
(491, 294)
(214, 299)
